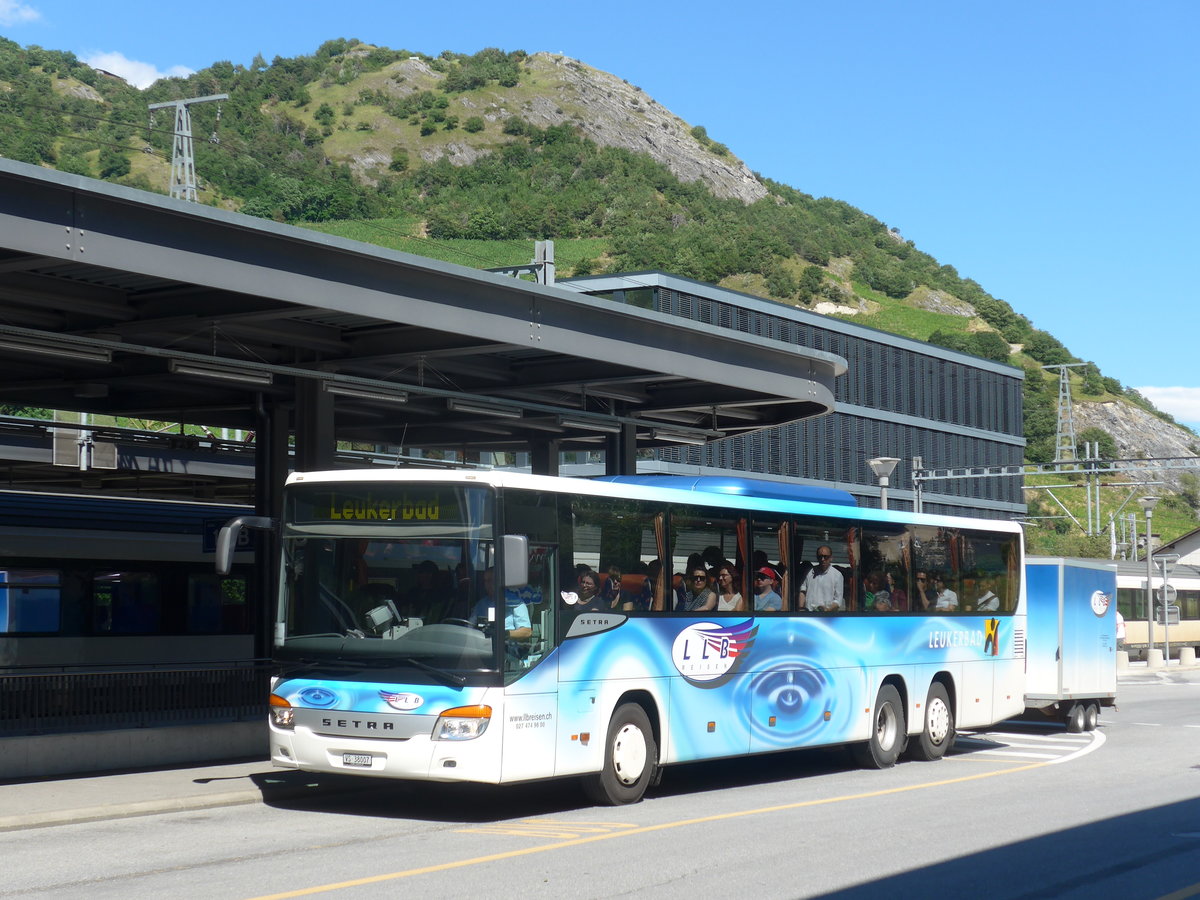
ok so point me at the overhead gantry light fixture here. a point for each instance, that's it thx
(693, 438)
(483, 409)
(590, 424)
(383, 395)
(220, 372)
(47, 346)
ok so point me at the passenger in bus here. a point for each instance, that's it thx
(896, 594)
(611, 590)
(697, 595)
(766, 598)
(824, 585)
(947, 600)
(924, 596)
(988, 601)
(729, 598)
(876, 598)
(586, 597)
(516, 614)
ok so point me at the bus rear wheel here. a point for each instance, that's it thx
(937, 737)
(887, 732)
(630, 758)
(1091, 716)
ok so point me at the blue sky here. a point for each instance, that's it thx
(1045, 149)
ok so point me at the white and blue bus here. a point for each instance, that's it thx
(646, 621)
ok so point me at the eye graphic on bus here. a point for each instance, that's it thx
(319, 697)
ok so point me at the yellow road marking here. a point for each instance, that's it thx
(641, 829)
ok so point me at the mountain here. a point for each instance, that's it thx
(469, 158)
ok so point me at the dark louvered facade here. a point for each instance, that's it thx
(899, 398)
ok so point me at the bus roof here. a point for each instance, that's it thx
(740, 487)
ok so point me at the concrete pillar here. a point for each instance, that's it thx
(1154, 658)
(1122, 660)
(1187, 656)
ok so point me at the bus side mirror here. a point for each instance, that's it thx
(227, 538)
(516, 560)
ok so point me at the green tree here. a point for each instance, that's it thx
(989, 345)
(1106, 444)
(325, 115)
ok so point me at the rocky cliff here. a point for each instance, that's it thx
(1141, 435)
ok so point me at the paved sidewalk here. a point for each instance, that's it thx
(41, 802)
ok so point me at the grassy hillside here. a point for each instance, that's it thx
(470, 159)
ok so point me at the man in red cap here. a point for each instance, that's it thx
(765, 597)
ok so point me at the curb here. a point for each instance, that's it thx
(127, 810)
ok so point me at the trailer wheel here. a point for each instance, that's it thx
(887, 732)
(937, 737)
(630, 759)
(1075, 718)
(1091, 716)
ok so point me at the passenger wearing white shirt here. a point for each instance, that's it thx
(823, 585)
(947, 600)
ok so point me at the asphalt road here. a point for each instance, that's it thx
(1023, 811)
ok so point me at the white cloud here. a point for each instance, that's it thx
(139, 74)
(14, 13)
(1181, 402)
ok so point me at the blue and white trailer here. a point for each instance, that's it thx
(1071, 639)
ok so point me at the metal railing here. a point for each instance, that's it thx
(66, 701)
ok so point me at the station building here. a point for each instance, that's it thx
(899, 397)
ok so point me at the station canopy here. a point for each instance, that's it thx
(121, 302)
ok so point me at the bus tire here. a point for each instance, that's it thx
(937, 737)
(630, 759)
(1091, 716)
(1075, 718)
(887, 739)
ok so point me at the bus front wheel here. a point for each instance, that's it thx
(887, 732)
(630, 758)
(937, 736)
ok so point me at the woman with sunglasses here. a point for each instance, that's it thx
(697, 595)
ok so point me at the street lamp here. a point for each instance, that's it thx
(883, 466)
(1147, 504)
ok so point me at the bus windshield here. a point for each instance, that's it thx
(381, 575)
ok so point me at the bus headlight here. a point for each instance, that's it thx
(463, 723)
(282, 714)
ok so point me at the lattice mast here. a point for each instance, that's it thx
(1064, 438)
(183, 157)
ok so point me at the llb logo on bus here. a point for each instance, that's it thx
(708, 655)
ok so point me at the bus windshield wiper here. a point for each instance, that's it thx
(449, 677)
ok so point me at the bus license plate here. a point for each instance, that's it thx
(361, 760)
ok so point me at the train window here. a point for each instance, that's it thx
(216, 605)
(126, 603)
(30, 600)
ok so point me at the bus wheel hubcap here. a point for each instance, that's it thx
(629, 754)
(939, 721)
